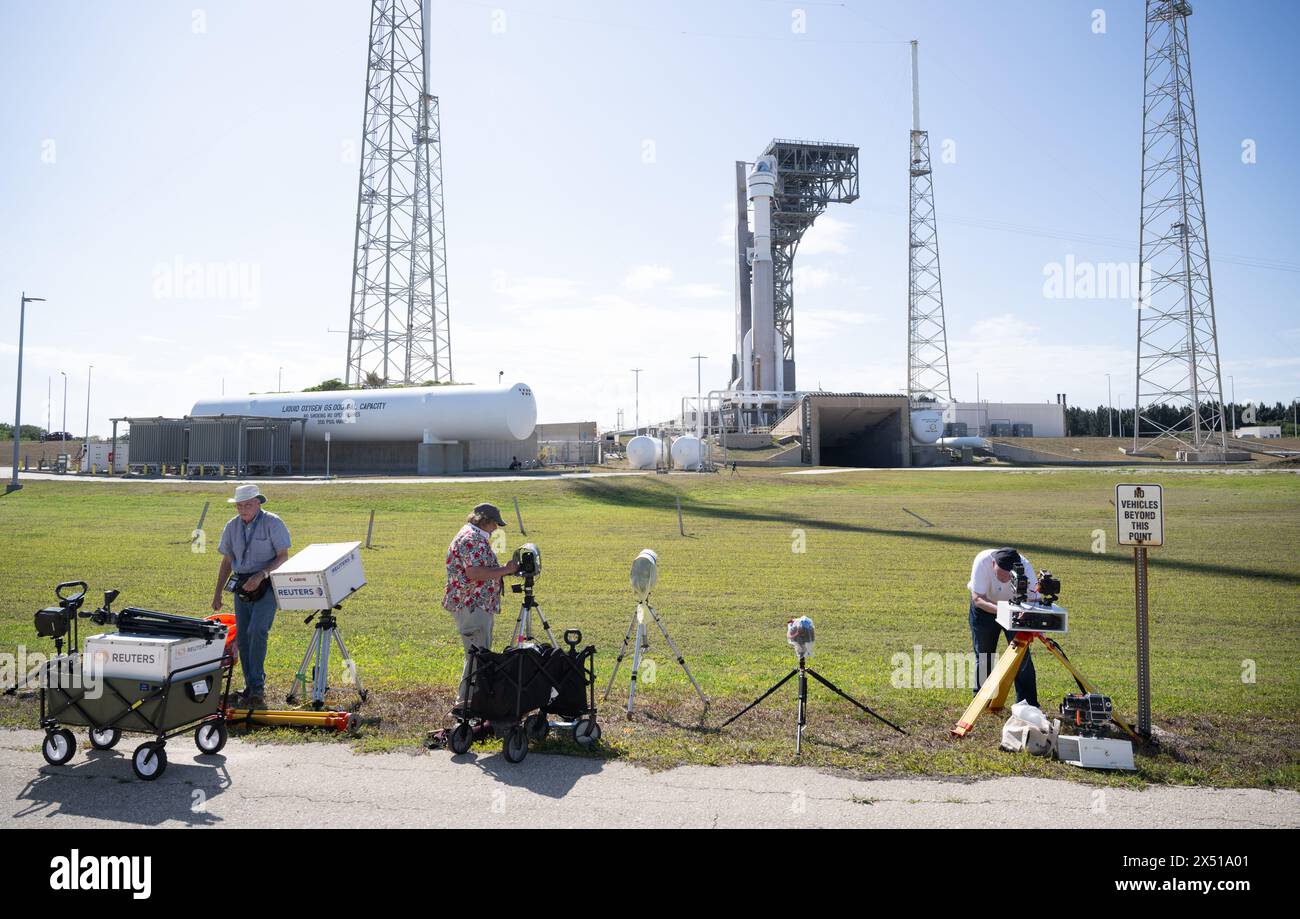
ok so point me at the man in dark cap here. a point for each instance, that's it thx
(473, 594)
(993, 578)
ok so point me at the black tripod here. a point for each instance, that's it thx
(804, 671)
(523, 631)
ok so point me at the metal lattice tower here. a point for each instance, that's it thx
(399, 327)
(928, 377)
(809, 176)
(1177, 342)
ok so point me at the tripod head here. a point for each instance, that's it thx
(327, 618)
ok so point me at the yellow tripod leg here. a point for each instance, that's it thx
(1083, 681)
(993, 692)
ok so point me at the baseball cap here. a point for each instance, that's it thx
(491, 512)
(1006, 557)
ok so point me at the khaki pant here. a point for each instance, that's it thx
(475, 628)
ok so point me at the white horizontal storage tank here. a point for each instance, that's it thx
(975, 443)
(644, 452)
(448, 413)
(687, 452)
(927, 425)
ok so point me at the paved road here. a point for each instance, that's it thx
(6, 473)
(327, 785)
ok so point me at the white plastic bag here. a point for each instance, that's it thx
(1032, 714)
(1028, 729)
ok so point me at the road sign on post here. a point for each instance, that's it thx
(1140, 521)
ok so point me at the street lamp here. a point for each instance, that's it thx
(63, 433)
(699, 391)
(1110, 414)
(85, 450)
(1233, 383)
(14, 484)
(637, 407)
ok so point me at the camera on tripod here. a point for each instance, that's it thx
(528, 558)
(1049, 587)
(1033, 611)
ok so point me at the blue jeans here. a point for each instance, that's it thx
(253, 623)
(984, 630)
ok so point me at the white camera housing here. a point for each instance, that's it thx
(1055, 618)
(645, 574)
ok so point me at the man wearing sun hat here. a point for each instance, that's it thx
(473, 594)
(253, 544)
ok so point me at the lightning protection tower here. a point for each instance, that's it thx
(398, 330)
(1179, 391)
(928, 378)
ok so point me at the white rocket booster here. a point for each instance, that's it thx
(764, 353)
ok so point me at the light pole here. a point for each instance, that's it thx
(86, 448)
(1121, 414)
(699, 390)
(279, 380)
(637, 407)
(1110, 414)
(49, 404)
(63, 433)
(14, 484)
(1233, 383)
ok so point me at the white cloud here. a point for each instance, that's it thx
(534, 289)
(644, 277)
(813, 325)
(700, 291)
(814, 277)
(828, 234)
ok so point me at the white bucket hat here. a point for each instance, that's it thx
(245, 492)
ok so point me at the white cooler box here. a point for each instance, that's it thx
(148, 658)
(319, 577)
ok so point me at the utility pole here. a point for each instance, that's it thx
(637, 416)
(14, 484)
(63, 433)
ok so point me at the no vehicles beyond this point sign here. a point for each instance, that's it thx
(1140, 515)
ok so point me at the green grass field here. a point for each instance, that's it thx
(876, 580)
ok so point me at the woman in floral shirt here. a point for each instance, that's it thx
(473, 595)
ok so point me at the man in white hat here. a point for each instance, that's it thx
(253, 544)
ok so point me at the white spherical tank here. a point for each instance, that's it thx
(687, 452)
(449, 413)
(644, 452)
(927, 426)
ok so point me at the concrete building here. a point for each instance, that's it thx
(1005, 419)
(1260, 431)
(850, 429)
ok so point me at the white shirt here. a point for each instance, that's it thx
(983, 580)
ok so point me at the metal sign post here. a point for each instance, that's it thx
(1143, 641)
(1140, 522)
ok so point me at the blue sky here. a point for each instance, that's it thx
(139, 136)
